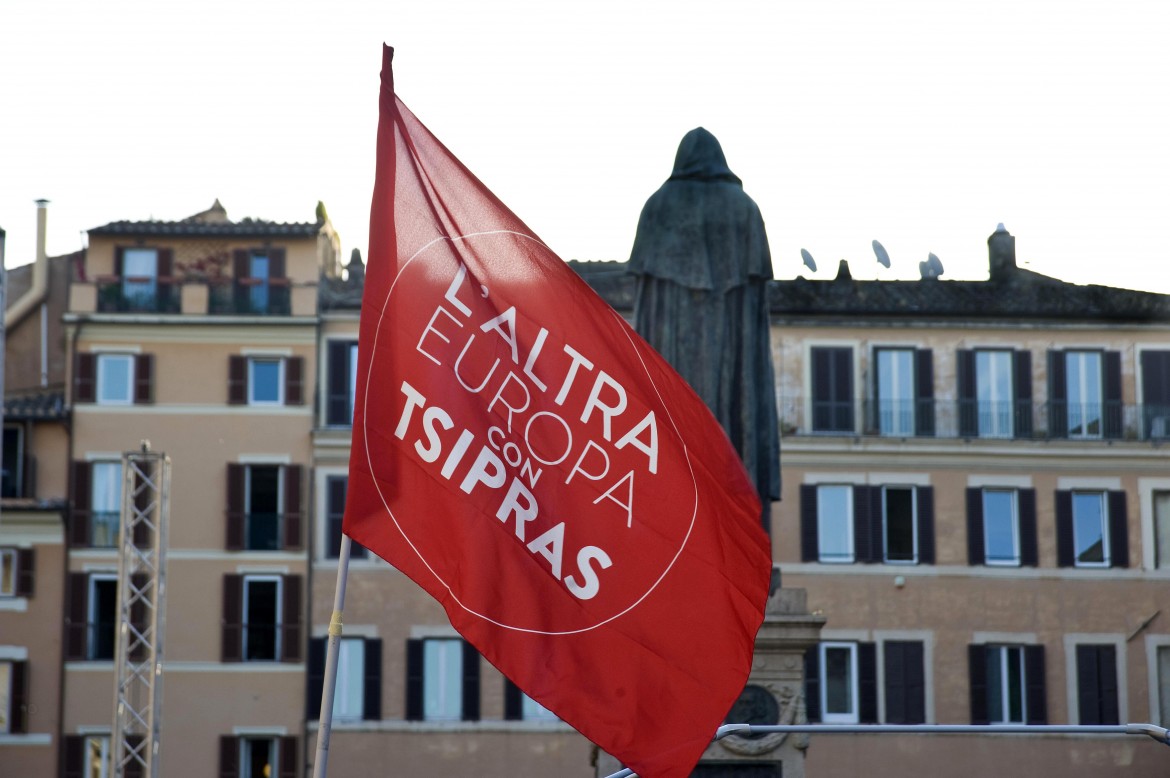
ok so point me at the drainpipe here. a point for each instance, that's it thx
(40, 277)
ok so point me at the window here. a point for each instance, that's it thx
(903, 391)
(258, 756)
(13, 697)
(263, 507)
(258, 271)
(843, 523)
(140, 278)
(1084, 394)
(835, 523)
(1155, 366)
(1163, 670)
(1162, 529)
(899, 517)
(442, 680)
(905, 681)
(358, 691)
(832, 389)
(1097, 698)
(1001, 527)
(12, 484)
(97, 756)
(1091, 529)
(265, 381)
(1007, 684)
(341, 381)
(995, 393)
(261, 618)
(105, 504)
(260, 286)
(101, 617)
(335, 487)
(115, 379)
(841, 683)
(17, 572)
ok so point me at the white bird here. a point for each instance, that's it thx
(883, 256)
(809, 262)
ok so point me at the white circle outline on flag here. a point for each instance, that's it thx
(401, 531)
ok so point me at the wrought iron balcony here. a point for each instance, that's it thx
(249, 297)
(134, 295)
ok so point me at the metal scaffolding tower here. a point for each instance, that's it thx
(141, 613)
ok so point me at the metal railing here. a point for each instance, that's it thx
(118, 297)
(249, 299)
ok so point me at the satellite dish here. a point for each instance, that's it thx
(931, 267)
(809, 262)
(883, 256)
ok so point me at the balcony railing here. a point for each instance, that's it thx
(1054, 420)
(251, 297)
(130, 295)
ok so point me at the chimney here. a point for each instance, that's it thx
(1001, 250)
(42, 220)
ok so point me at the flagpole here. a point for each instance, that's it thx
(326, 718)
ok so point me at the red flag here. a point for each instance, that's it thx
(528, 460)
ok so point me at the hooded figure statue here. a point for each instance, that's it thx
(702, 264)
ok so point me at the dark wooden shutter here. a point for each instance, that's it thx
(1097, 684)
(143, 379)
(85, 378)
(1057, 396)
(73, 756)
(235, 509)
(1022, 380)
(1065, 554)
(1029, 543)
(276, 265)
(924, 392)
(414, 680)
(926, 525)
(843, 389)
(976, 551)
(166, 264)
(229, 756)
(315, 678)
(237, 380)
(905, 676)
(863, 535)
(79, 519)
(977, 672)
(337, 383)
(231, 646)
(291, 619)
(1118, 530)
(812, 684)
(1155, 366)
(26, 572)
(18, 699)
(1107, 673)
(1111, 385)
(513, 701)
(809, 542)
(293, 515)
(290, 754)
(294, 381)
(867, 707)
(1036, 697)
(372, 683)
(241, 267)
(77, 616)
(470, 682)
(832, 388)
(968, 407)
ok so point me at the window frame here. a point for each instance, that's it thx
(1082, 381)
(277, 627)
(987, 371)
(280, 506)
(914, 528)
(1105, 527)
(104, 360)
(1014, 519)
(273, 752)
(428, 712)
(903, 416)
(344, 671)
(251, 381)
(850, 511)
(854, 716)
(1002, 651)
(111, 467)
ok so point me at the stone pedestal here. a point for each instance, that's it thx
(774, 695)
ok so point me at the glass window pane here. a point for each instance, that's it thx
(442, 680)
(1090, 542)
(5, 696)
(105, 503)
(531, 710)
(896, 391)
(1162, 528)
(264, 380)
(993, 386)
(140, 277)
(995, 684)
(835, 523)
(1000, 537)
(348, 697)
(353, 360)
(263, 508)
(899, 523)
(115, 378)
(1083, 378)
(258, 292)
(838, 661)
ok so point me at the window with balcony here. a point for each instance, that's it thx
(995, 393)
(1091, 529)
(903, 392)
(1001, 527)
(261, 618)
(259, 284)
(831, 383)
(265, 380)
(442, 680)
(358, 692)
(264, 507)
(1007, 684)
(1155, 385)
(1084, 394)
(142, 282)
(843, 523)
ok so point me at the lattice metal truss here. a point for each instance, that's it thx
(141, 598)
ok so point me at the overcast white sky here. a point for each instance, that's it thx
(920, 124)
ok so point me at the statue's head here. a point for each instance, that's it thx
(701, 157)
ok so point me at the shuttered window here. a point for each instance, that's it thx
(844, 523)
(1097, 697)
(264, 381)
(832, 389)
(262, 618)
(442, 680)
(358, 693)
